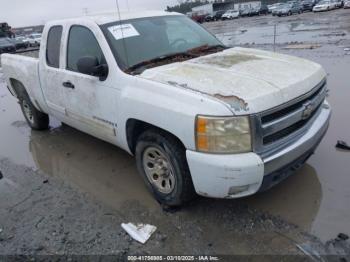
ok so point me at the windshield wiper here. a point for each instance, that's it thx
(189, 54)
(138, 68)
(206, 48)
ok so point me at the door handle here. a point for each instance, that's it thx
(68, 85)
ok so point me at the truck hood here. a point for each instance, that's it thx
(247, 80)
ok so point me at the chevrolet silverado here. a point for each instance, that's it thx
(199, 117)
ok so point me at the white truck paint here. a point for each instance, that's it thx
(234, 82)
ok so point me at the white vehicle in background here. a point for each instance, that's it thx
(324, 5)
(347, 4)
(273, 7)
(34, 39)
(199, 117)
(339, 3)
(230, 14)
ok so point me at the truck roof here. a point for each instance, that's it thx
(105, 18)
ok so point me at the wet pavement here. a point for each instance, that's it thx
(316, 198)
(94, 186)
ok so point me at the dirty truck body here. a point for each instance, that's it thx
(224, 123)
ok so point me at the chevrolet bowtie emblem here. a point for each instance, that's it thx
(308, 110)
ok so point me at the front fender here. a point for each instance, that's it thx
(167, 107)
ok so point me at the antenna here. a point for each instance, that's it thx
(127, 5)
(122, 31)
(85, 11)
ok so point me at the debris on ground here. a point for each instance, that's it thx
(335, 34)
(1, 230)
(140, 232)
(302, 46)
(347, 49)
(1, 176)
(338, 246)
(170, 209)
(309, 251)
(46, 181)
(342, 145)
(343, 236)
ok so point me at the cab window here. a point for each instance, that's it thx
(53, 46)
(82, 43)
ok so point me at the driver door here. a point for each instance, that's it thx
(90, 103)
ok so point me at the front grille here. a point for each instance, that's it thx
(289, 130)
(285, 111)
(274, 127)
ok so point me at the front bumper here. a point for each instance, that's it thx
(240, 175)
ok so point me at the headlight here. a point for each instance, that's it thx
(226, 135)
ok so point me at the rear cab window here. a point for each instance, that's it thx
(53, 46)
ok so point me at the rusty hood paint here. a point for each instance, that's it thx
(247, 80)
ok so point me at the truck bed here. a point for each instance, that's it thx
(30, 53)
(22, 71)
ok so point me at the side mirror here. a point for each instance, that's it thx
(89, 65)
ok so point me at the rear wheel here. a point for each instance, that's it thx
(35, 119)
(161, 160)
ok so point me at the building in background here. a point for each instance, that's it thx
(213, 7)
(223, 6)
(247, 5)
(28, 30)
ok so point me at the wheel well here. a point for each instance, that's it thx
(134, 128)
(18, 87)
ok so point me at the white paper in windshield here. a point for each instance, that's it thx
(123, 31)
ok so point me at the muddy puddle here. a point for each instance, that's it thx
(316, 198)
(285, 33)
(94, 166)
(288, 29)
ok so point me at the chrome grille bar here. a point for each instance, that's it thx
(280, 126)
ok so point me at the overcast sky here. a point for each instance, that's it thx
(18, 13)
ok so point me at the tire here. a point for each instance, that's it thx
(35, 119)
(154, 147)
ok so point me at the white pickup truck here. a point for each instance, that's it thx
(198, 116)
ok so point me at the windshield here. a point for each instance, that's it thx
(149, 38)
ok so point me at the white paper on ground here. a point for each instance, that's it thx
(141, 232)
(123, 31)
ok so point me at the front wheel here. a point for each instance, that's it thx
(161, 160)
(35, 119)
